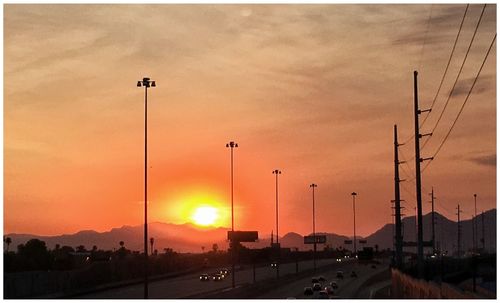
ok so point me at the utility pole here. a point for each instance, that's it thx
(397, 202)
(458, 231)
(474, 235)
(233, 244)
(418, 181)
(433, 222)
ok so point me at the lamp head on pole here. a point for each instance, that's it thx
(232, 144)
(354, 194)
(313, 185)
(277, 172)
(146, 82)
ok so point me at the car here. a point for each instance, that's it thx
(204, 277)
(334, 284)
(340, 274)
(354, 274)
(224, 271)
(314, 280)
(308, 291)
(217, 277)
(339, 260)
(321, 279)
(329, 289)
(323, 295)
(316, 287)
(274, 264)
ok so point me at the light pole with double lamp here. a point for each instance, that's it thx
(313, 186)
(354, 211)
(232, 145)
(278, 248)
(146, 83)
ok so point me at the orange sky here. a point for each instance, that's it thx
(313, 90)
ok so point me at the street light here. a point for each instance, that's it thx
(354, 194)
(232, 145)
(277, 172)
(475, 225)
(146, 83)
(313, 186)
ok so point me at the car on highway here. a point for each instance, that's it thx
(217, 277)
(323, 295)
(274, 264)
(204, 277)
(339, 260)
(314, 280)
(321, 279)
(334, 284)
(329, 290)
(340, 274)
(354, 274)
(224, 271)
(316, 287)
(308, 291)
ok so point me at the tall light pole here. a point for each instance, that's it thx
(232, 145)
(146, 83)
(277, 172)
(313, 186)
(475, 225)
(354, 194)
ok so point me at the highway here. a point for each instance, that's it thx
(190, 285)
(348, 287)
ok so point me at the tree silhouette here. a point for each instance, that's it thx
(215, 247)
(8, 240)
(94, 248)
(121, 244)
(203, 249)
(80, 248)
(35, 255)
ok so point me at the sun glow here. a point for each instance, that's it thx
(205, 215)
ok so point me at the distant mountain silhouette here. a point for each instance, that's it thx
(445, 232)
(190, 238)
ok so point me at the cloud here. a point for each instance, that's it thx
(487, 160)
(483, 84)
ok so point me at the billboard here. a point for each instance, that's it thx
(347, 241)
(243, 236)
(319, 239)
(362, 241)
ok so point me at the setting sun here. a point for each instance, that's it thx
(205, 215)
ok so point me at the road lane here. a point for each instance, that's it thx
(191, 285)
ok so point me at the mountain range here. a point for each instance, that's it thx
(190, 238)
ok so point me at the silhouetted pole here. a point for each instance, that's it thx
(458, 231)
(475, 225)
(232, 145)
(433, 222)
(397, 203)
(483, 240)
(277, 172)
(313, 186)
(418, 181)
(146, 82)
(354, 212)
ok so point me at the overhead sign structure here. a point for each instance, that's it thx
(362, 241)
(243, 236)
(347, 241)
(319, 239)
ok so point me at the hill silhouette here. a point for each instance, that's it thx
(190, 238)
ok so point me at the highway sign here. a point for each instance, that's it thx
(243, 236)
(310, 239)
(347, 241)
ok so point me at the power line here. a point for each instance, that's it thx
(456, 79)
(425, 36)
(465, 101)
(447, 66)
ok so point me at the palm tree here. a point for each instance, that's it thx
(121, 244)
(8, 240)
(94, 248)
(203, 249)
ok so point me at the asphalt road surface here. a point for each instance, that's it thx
(190, 285)
(348, 287)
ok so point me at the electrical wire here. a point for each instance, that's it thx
(456, 79)
(463, 104)
(447, 66)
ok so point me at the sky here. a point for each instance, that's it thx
(312, 90)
